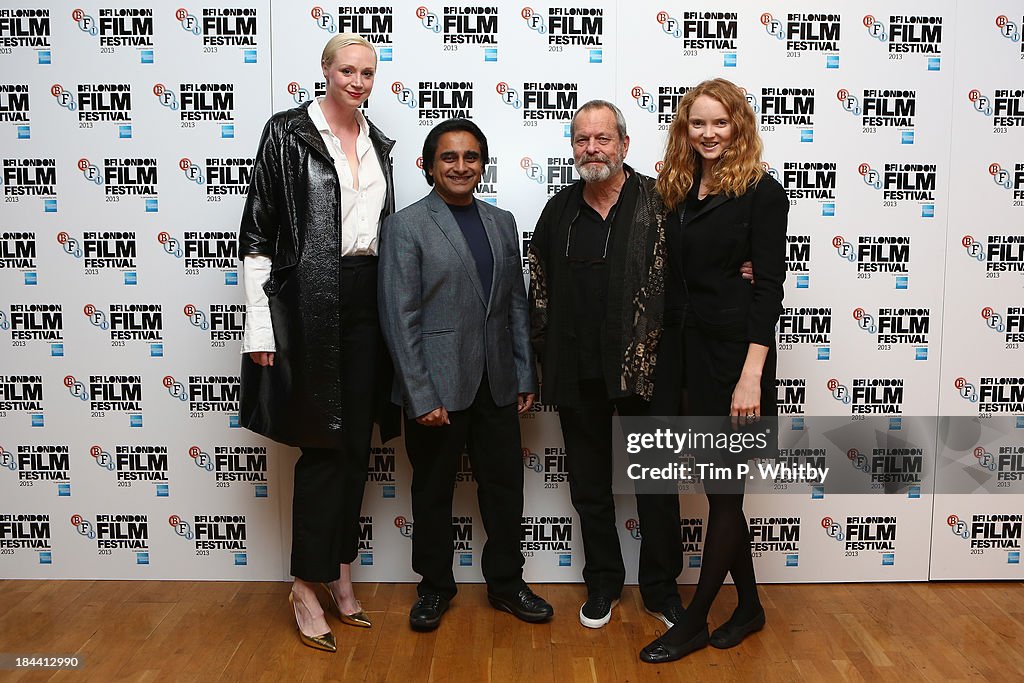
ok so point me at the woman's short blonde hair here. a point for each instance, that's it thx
(343, 40)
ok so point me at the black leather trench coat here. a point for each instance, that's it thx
(293, 215)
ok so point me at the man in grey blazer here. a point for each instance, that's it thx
(453, 311)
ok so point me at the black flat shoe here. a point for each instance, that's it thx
(661, 650)
(426, 613)
(525, 605)
(730, 635)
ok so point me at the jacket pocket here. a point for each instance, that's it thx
(436, 333)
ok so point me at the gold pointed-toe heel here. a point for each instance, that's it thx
(324, 641)
(355, 619)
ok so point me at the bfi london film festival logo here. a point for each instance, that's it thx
(98, 103)
(570, 30)
(364, 546)
(223, 27)
(207, 394)
(691, 537)
(551, 173)
(1010, 30)
(376, 23)
(806, 33)
(124, 177)
(116, 532)
(201, 103)
(25, 178)
(1005, 107)
(806, 327)
(990, 532)
(908, 35)
(791, 396)
(775, 537)
(22, 28)
(15, 107)
(222, 322)
(462, 540)
(807, 182)
(1007, 464)
(35, 324)
(662, 101)
(133, 464)
(542, 101)
(18, 252)
(791, 108)
(879, 109)
(896, 329)
(551, 466)
(463, 26)
(704, 33)
(39, 464)
(798, 260)
(23, 394)
(1000, 253)
(100, 252)
(230, 465)
(109, 394)
(1010, 180)
(1008, 324)
(549, 536)
(214, 536)
(891, 466)
(870, 395)
(993, 395)
(203, 252)
(118, 28)
(863, 534)
(30, 532)
(435, 100)
(127, 323)
(381, 470)
(301, 94)
(404, 526)
(219, 176)
(877, 255)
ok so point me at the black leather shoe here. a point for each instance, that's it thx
(525, 605)
(426, 614)
(662, 650)
(730, 635)
(670, 616)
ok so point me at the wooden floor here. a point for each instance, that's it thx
(180, 631)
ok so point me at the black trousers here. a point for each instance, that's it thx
(490, 433)
(328, 492)
(587, 433)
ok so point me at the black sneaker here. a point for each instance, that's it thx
(426, 614)
(597, 611)
(670, 616)
(524, 604)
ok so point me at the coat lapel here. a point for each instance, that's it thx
(494, 240)
(446, 222)
(715, 202)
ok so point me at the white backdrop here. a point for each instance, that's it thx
(127, 138)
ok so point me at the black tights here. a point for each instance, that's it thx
(726, 551)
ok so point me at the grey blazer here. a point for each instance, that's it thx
(442, 334)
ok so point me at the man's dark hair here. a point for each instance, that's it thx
(450, 126)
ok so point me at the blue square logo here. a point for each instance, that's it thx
(565, 560)
(57, 350)
(824, 353)
(249, 56)
(1013, 557)
(31, 278)
(921, 353)
(888, 559)
(914, 492)
(792, 560)
(44, 57)
(907, 137)
(388, 491)
(49, 206)
(934, 63)
(163, 491)
(46, 557)
(233, 422)
(241, 560)
(803, 282)
(902, 282)
(493, 201)
(231, 277)
(596, 56)
(156, 350)
(131, 277)
(24, 132)
(261, 491)
(490, 54)
(146, 57)
(895, 424)
(124, 132)
(37, 420)
(807, 135)
(817, 492)
(796, 424)
(227, 130)
(135, 420)
(567, 130)
(465, 559)
(152, 205)
(729, 59)
(828, 209)
(386, 54)
(832, 61)
(693, 562)
(1020, 422)
(366, 559)
(141, 558)
(927, 211)
(63, 490)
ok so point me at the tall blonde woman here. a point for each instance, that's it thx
(724, 210)
(315, 372)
